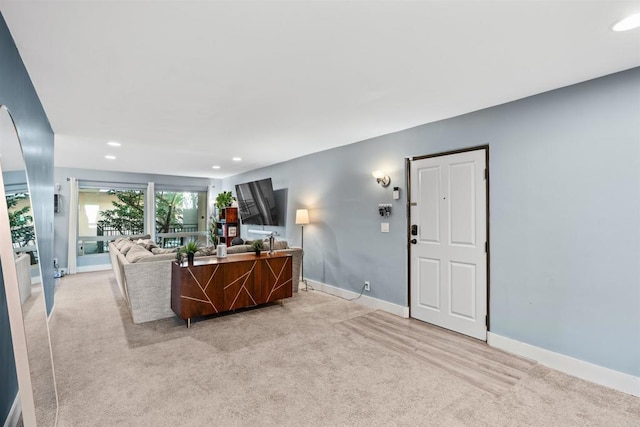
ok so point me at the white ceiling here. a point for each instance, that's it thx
(184, 85)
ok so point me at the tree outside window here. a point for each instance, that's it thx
(20, 221)
(176, 212)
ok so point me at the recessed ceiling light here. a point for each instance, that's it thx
(215, 167)
(109, 157)
(237, 159)
(113, 144)
(629, 23)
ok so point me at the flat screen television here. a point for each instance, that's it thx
(257, 203)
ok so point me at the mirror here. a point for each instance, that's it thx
(22, 278)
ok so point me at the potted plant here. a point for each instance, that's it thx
(190, 249)
(257, 246)
(224, 199)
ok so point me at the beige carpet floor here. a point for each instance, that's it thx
(315, 361)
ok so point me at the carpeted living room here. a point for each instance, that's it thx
(316, 360)
(320, 213)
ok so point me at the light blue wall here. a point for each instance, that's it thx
(18, 94)
(564, 220)
(61, 224)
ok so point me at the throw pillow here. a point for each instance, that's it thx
(160, 251)
(280, 244)
(136, 253)
(120, 242)
(127, 247)
(239, 249)
(203, 252)
(277, 245)
(148, 244)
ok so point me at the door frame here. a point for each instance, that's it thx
(408, 161)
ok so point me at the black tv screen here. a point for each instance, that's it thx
(257, 203)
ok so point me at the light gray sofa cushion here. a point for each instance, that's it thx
(120, 242)
(148, 244)
(239, 249)
(126, 247)
(23, 269)
(162, 251)
(159, 257)
(137, 252)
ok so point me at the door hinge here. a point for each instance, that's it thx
(486, 247)
(486, 173)
(486, 320)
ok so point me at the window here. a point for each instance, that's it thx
(180, 216)
(23, 234)
(106, 213)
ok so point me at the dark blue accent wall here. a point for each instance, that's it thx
(19, 96)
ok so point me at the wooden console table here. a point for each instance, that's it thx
(216, 285)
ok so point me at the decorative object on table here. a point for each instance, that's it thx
(272, 241)
(221, 250)
(302, 218)
(237, 241)
(180, 255)
(257, 246)
(213, 231)
(190, 249)
(224, 200)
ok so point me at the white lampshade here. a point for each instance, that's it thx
(302, 216)
(377, 174)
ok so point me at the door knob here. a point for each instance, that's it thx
(414, 241)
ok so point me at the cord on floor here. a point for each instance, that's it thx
(353, 299)
(338, 296)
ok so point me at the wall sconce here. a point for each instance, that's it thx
(381, 178)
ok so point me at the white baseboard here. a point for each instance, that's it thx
(374, 303)
(578, 368)
(91, 268)
(14, 413)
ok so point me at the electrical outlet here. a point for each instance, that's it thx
(367, 286)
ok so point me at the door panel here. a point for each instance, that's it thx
(462, 290)
(448, 261)
(429, 271)
(462, 202)
(430, 199)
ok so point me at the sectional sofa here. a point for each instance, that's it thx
(23, 268)
(143, 273)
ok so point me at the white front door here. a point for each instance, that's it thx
(448, 235)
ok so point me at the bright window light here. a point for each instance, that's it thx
(92, 214)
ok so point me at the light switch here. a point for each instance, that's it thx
(384, 227)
